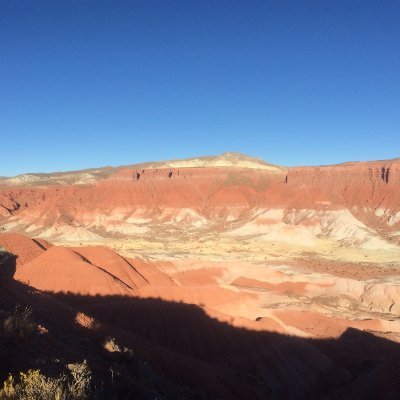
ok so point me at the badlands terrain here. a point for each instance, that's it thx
(217, 277)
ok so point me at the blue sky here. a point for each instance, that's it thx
(92, 83)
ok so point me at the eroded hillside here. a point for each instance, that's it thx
(255, 254)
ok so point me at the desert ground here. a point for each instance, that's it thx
(227, 277)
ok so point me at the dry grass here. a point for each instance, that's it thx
(33, 385)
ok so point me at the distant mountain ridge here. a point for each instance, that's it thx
(92, 175)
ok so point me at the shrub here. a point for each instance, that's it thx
(36, 386)
(79, 387)
(9, 391)
(20, 324)
(33, 385)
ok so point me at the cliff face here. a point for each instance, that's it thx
(197, 188)
(369, 189)
(131, 200)
(139, 201)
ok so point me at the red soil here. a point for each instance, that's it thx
(214, 193)
(24, 248)
(82, 270)
(114, 264)
(357, 271)
(63, 270)
(283, 287)
(321, 325)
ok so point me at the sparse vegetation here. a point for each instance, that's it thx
(19, 325)
(111, 345)
(79, 386)
(34, 385)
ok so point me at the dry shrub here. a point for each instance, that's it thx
(20, 324)
(79, 387)
(36, 386)
(111, 345)
(33, 385)
(9, 390)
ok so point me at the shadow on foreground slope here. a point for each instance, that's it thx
(152, 349)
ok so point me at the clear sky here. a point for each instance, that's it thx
(91, 83)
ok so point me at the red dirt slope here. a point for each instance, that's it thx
(114, 264)
(23, 247)
(63, 270)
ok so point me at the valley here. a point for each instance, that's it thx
(281, 272)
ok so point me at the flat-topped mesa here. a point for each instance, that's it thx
(378, 172)
(146, 174)
(196, 188)
(362, 184)
(225, 160)
(94, 175)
